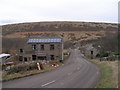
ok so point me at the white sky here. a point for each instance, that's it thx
(18, 11)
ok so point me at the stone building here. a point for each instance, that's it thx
(91, 51)
(42, 49)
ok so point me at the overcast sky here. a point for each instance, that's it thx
(18, 11)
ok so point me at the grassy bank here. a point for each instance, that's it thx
(47, 67)
(23, 72)
(109, 74)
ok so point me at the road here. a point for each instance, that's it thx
(76, 73)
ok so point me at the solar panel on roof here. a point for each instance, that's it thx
(44, 40)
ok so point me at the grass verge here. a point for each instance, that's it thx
(21, 74)
(109, 74)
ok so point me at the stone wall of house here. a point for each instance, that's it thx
(28, 51)
(91, 53)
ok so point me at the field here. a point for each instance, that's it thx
(109, 73)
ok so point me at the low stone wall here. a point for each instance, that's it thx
(110, 58)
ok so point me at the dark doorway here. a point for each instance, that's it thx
(25, 59)
(33, 57)
(41, 58)
(91, 52)
(52, 57)
(20, 58)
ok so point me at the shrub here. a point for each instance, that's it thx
(32, 66)
(24, 67)
(98, 55)
(41, 66)
(18, 68)
(102, 54)
(114, 53)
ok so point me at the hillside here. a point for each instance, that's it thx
(57, 26)
(15, 35)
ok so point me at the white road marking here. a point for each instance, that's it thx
(48, 83)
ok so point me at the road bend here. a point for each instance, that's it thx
(76, 73)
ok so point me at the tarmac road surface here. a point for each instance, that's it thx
(76, 73)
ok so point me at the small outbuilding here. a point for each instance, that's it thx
(91, 51)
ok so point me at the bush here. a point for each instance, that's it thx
(24, 67)
(18, 68)
(114, 53)
(33, 66)
(41, 66)
(102, 54)
(98, 55)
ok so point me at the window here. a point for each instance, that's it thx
(20, 58)
(33, 57)
(21, 50)
(52, 57)
(42, 47)
(59, 46)
(34, 47)
(52, 47)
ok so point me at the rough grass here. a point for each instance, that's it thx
(66, 51)
(27, 73)
(109, 74)
(47, 67)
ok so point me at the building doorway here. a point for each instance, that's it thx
(33, 57)
(52, 57)
(91, 54)
(25, 59)
(20, 58)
